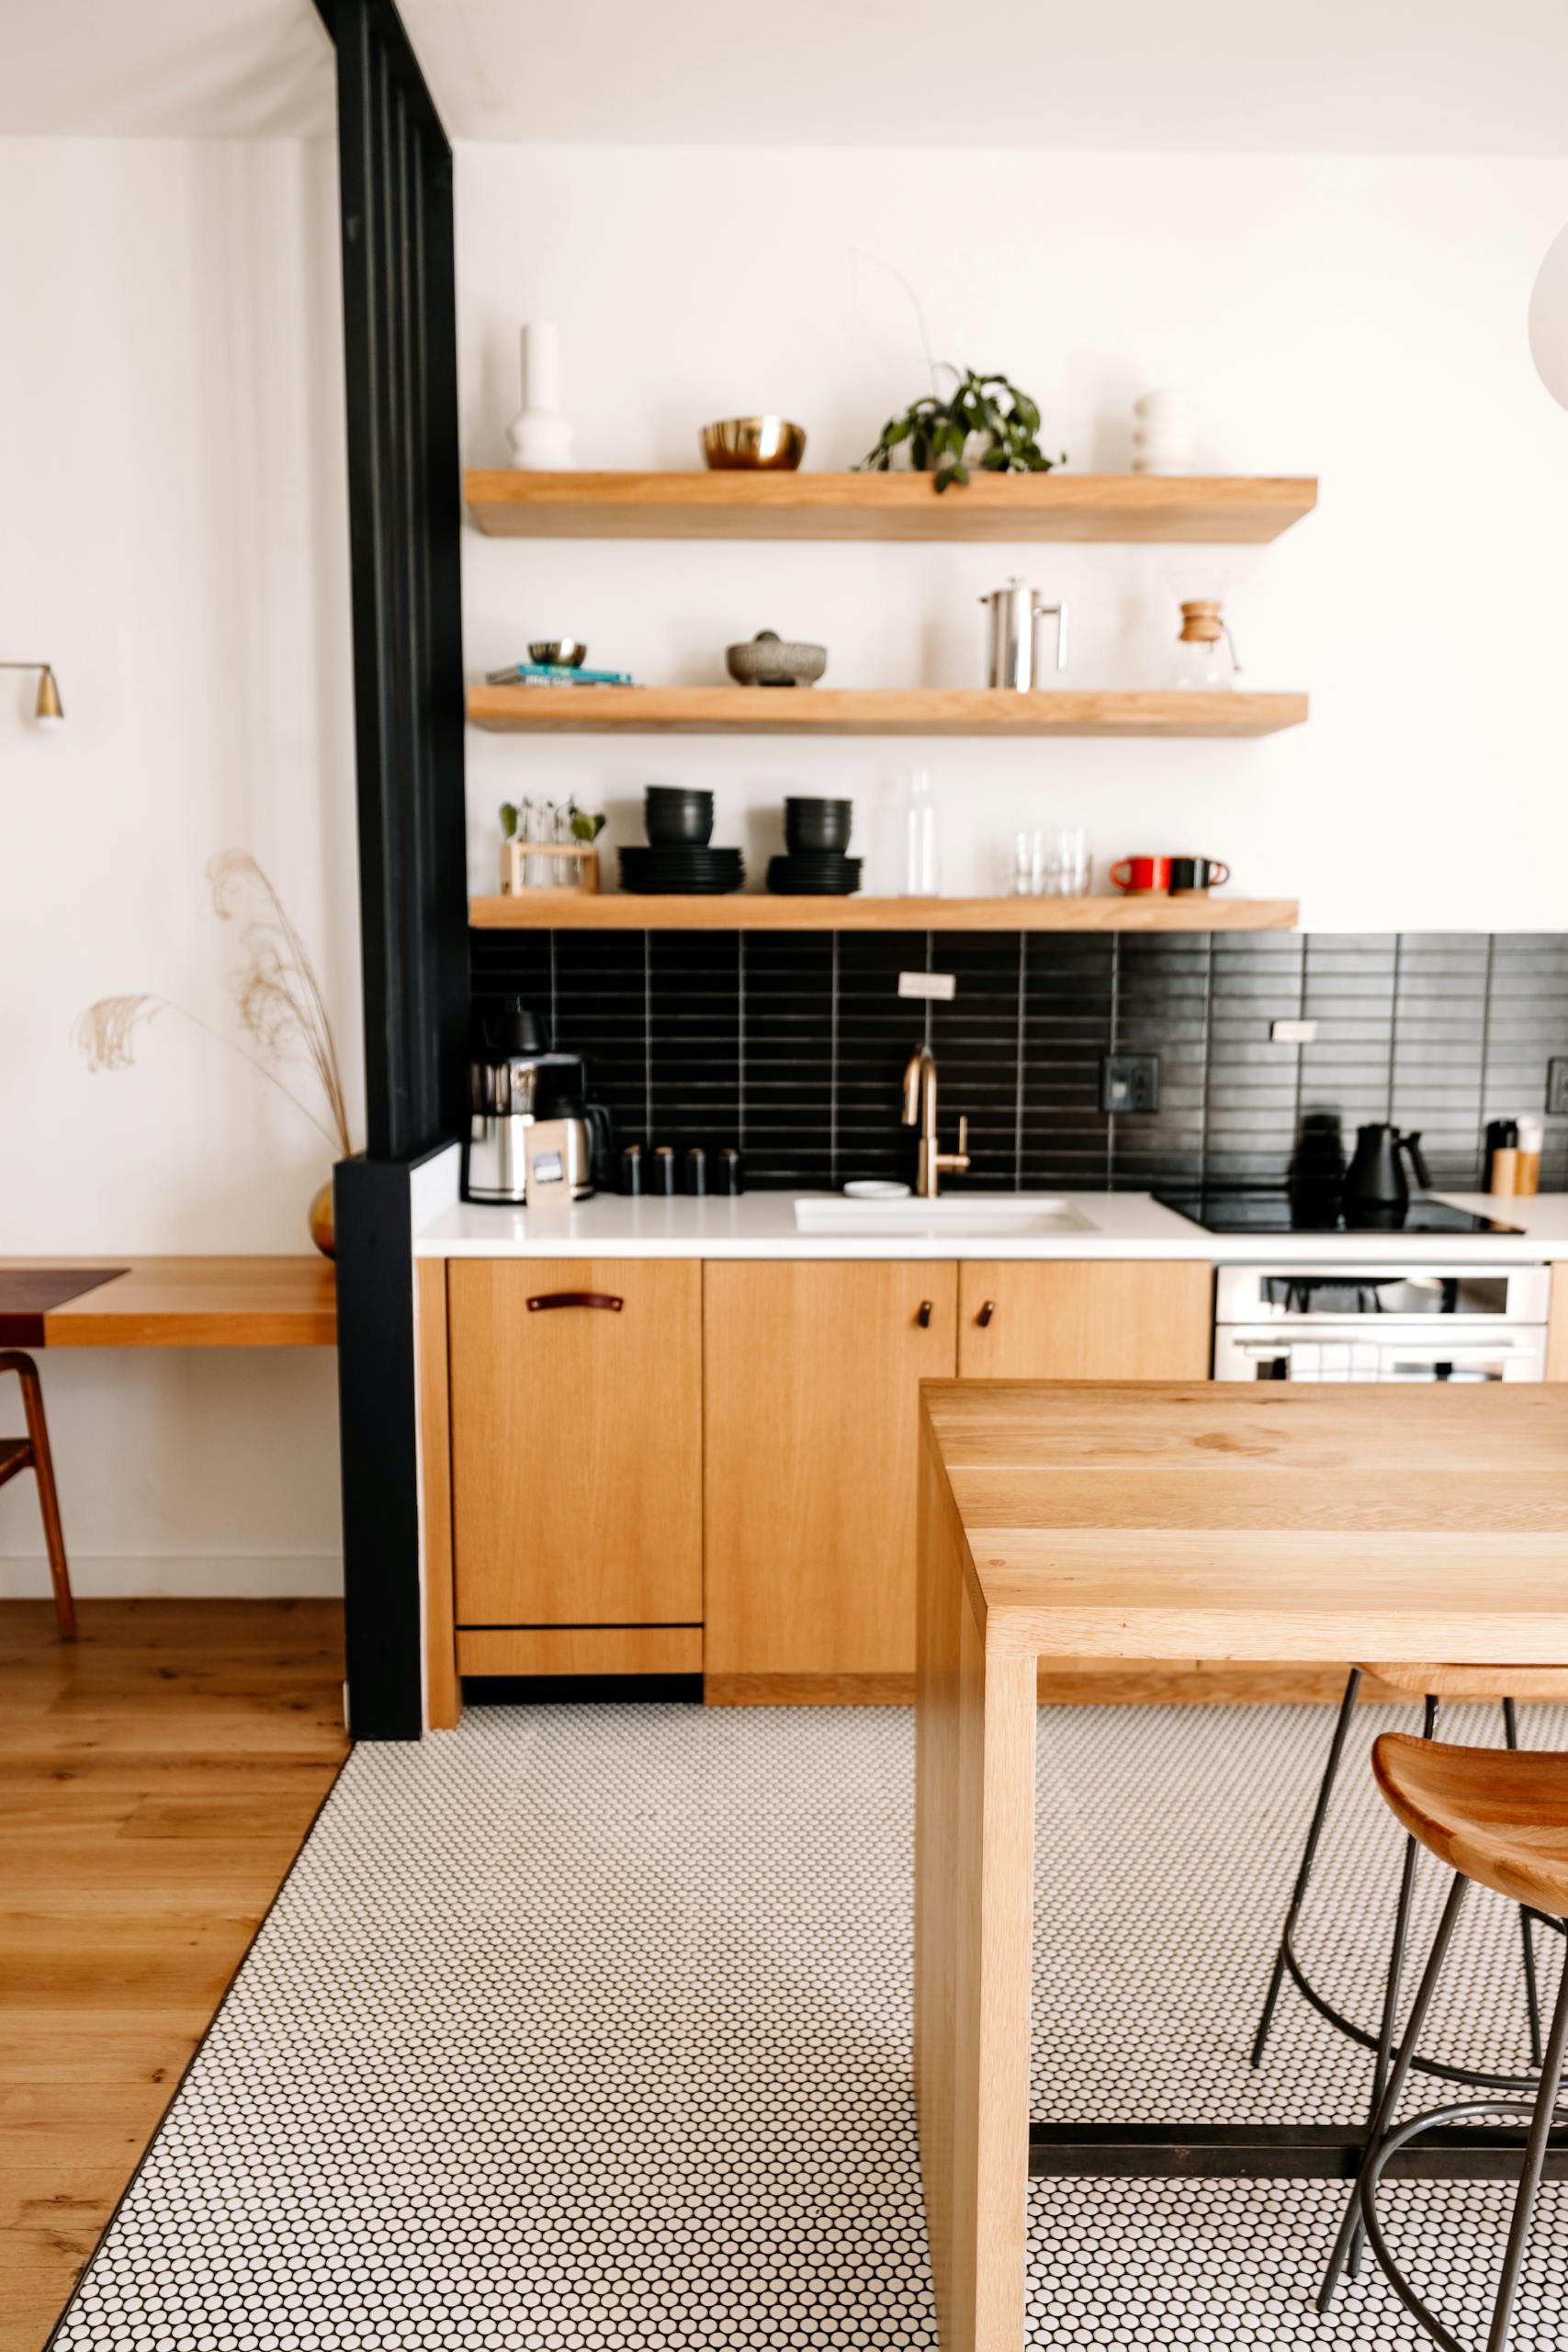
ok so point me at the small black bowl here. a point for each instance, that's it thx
(674, 813)
(818, 824)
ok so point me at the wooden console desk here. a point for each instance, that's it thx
(1163, 1521)
(250, 1302)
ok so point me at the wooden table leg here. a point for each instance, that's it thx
(974, 1860)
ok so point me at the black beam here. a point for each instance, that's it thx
(404, 495)
(377, 1436)
(1270, 2151)
(404, 514)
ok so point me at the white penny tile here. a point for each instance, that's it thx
(587, 2029)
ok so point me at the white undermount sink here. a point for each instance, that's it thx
(1012, 1217)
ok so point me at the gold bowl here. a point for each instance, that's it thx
(753, 444)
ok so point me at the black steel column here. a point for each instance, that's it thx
(400, 381)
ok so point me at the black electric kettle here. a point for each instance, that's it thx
(1377, 1191)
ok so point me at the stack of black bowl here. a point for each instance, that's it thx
(678, 858)
(817, 833)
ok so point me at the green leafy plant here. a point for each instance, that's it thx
(585, 824)
(939, 432)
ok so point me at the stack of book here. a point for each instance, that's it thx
(554, 673)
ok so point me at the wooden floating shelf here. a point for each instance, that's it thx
(880, 710)
(1169, 510)
(753, 910)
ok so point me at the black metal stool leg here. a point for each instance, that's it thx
(1350, 2228)
(1529, 2180)
(1395, 1972)
(1533, 1990)
(1304, 1876)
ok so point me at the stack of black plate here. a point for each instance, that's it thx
(670, 869)
(817, 833)
(814, 874)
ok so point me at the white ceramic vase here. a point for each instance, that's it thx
(538, 436)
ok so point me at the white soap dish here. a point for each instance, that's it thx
(875, 1188)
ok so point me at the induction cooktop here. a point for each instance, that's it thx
(1246, 1208)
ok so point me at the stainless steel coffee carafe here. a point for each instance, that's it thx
(528, 1135)
(1015, 613)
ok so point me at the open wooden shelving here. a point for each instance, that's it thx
(1168, 510)
(878, 710)
(754, 910)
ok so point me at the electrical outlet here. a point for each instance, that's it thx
(1557, 1086)
(1129, 1082)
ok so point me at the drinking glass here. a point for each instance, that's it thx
(1067, 865)
(1028, 862)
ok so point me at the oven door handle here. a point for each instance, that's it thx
(1436, 1351)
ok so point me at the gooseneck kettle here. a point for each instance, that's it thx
(1377, 1191)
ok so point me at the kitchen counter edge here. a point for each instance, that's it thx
(1120, 1225)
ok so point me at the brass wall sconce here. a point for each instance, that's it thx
(48, 709)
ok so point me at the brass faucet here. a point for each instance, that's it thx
(920, 1109)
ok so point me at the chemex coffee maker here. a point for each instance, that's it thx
(534, 1135)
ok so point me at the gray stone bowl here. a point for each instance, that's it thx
(769, 660)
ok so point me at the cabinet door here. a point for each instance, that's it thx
(812, 1375)
(577, 1438)
(1079, 1319)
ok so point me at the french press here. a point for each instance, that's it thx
(1016, 615)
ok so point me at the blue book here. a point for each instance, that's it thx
(552, 674)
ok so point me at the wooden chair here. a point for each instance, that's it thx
(31, 1452)
(1499, 1819)
(1431, 1683)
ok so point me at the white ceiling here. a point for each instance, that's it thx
(1384, 76)
(1378, 77)
(171, 69)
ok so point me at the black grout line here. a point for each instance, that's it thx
(1393, 1027)
(647, 1037)
(1020, 1048)
(740, 1043)
(833, 1068)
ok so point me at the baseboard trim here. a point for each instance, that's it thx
(231, 1577)
(808, 1690)
(1065, 1682)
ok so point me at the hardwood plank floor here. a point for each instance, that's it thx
(156, 1780)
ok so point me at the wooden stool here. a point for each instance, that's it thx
(1499, 1820)
(1430, 1683)
(31, 1452)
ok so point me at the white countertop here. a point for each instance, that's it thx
(1118, 1225)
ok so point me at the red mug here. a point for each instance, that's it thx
(1138, 873)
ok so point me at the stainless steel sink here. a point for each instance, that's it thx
(1011, 1217)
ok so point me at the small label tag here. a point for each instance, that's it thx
(943, 985)
(548, 1168)
(1294, 1033)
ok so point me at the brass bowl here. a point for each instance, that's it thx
(753, 444)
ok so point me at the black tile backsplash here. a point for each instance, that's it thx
(793, 1044)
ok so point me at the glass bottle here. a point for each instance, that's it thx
(922, 846)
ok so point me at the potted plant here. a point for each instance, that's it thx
(985, 421)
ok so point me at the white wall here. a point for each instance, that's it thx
(1360, 320)
(174, 536)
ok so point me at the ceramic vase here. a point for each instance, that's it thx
(538, 436)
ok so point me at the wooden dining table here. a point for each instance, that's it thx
(1163, 1521)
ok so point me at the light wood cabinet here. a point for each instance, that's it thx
(577, 1442)
(811, 1376)
(1557, 1326)
(1083, 1319)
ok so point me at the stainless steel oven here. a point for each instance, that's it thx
(1380, 1322)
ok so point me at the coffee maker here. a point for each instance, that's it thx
(534, 1135)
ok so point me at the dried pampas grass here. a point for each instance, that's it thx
(276, 994)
